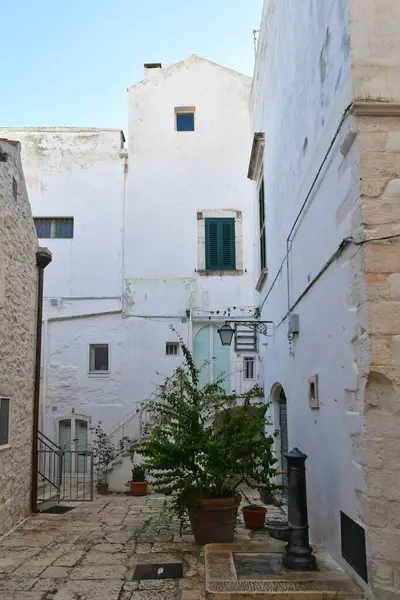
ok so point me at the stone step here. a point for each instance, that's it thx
(253, 571)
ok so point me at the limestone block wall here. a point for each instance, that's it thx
(379, 502)
(18, 285)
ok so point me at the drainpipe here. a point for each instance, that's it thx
(43, 258)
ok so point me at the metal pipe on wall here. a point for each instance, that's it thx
(43, 258)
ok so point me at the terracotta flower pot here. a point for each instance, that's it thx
(213, 520)
(102, 488)
(138, 488)
(254, 518)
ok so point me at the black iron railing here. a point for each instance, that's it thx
(65, 473)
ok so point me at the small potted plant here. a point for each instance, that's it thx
(104, 453)
(254, 516)
(266, 494)
(138, 483)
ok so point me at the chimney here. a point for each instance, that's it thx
(152, 70)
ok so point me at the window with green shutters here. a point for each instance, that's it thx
(263, 247)
(220, 245)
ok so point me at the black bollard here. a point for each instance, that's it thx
(299, 556)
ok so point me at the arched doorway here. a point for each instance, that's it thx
(279, 400)
(211, 357)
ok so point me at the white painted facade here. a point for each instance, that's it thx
(313, 70)
(136, 263)
(319, 65)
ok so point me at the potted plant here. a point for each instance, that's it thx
(202, 447)
(104, 453)
(254, 516)
(138, 483)
(266, 494)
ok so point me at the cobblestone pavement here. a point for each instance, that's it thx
(90, 553)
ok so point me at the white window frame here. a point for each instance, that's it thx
(7, 445)
(92, 346)
(230, 213)
(175, 344)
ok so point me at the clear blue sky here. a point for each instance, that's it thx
(69, 62)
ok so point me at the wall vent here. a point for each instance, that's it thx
(353, 545)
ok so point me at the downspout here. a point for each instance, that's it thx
(43, 258)
(124, 155)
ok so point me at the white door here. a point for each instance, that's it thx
(73, 438)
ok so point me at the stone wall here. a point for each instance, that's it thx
(379, 502)
(18, 285)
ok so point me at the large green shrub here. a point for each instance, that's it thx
(202, 443)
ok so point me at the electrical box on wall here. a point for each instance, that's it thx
(294, 324)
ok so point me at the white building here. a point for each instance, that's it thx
(326, 171)
(156, 235)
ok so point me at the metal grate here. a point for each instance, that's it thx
(54, 227)
(353, 545)
(158, 571)
(58, 509)
(172, 348)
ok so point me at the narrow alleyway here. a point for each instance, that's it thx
(90, 553)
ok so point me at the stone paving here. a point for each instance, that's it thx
(90, 553)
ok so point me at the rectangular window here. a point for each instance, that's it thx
(58, 227)
(172, 348)
(261, 208)
(98, 358)
(4, 421)
(249, 367)
(220, 245)
(184, 119)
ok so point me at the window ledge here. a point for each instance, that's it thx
(98, 373)
(5, 447)
(261, 280)
(208, 273)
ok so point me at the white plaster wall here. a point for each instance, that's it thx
(139, 242)
(78, 173)
(18, 292)
(302, 87)
(173, 176)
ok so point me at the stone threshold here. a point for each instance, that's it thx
(253, 571)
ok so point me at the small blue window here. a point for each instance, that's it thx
(185, 121)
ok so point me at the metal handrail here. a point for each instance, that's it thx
(49, 443)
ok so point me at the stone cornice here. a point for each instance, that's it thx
(256, 156)
(370, 108)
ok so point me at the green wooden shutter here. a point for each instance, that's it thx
(261, 202)
(220, 244)
(228, 244)
(212, 244)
